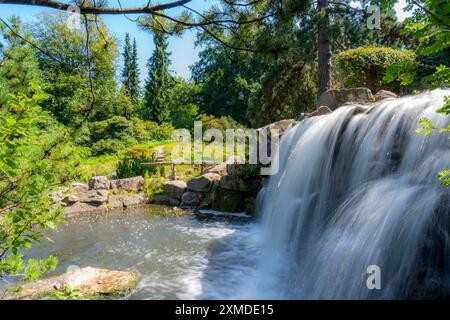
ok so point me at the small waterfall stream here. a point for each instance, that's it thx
(356, 190)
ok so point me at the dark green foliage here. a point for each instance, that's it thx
(158, 83)
(20, 66)
(183, 103)
(117, 133)
(130, 72)
(226, 78)
(367, 66)
(69, 92)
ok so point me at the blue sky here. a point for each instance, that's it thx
(182, 48)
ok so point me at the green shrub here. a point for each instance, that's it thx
(223, 123)
(366, 66)
(130, 164)
(157, 132)
(153, 184)
(106, 146)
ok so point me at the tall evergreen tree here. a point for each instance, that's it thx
(133, 90)
(126, 72)
(158, 83)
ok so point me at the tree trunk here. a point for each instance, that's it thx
(324, 49)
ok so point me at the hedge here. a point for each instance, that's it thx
(366, 66)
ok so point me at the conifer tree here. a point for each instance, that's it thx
(134, 74)
(158, 83)
(126, 72)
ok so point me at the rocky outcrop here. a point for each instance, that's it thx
(91, 197)
(129, 185)
(127, 201)
(175, 189)
(336, 98)
(238, 183)
(81, 207)
(100, 195)
(384, 94)
(79, 187)
(88, 281)
(99, 183)
(191, 199)
(233, 192)
(203, 183)
(165, 200)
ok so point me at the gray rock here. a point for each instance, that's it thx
(58, 195)
(127, 201)
(384, 94)
(208, 198)
(175, 189)
(134, 200)
(79, 187)
(130, 184)
(320, 111)
(236, 183)
(165, 200)
(229, 201)
(91, 196)
(336, 98)
(280, 127)
(81, 207)
(220, 169)
(191, 199)
(115, 202)
(203, 183)
(98, 183)
(360, 109)
(88, 281)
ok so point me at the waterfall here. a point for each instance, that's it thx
(357, 189)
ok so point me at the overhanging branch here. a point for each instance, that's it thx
(97, 9)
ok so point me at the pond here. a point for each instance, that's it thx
(175, 257)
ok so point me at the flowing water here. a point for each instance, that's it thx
(175, 257)
(353, 191)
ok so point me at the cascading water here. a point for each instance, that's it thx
(357, 189)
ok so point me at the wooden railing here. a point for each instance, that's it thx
(203, 165)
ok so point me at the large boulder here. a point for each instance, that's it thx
(236, 183)
(134, 200)
(228, 201)
(115, 202)
(91, 196)
(191, 199)
(175, 189)
(165, 200)
(220, 169)
(336, 98)
(384, 94)
(81, 207)
(88, 281)
(130, 184)
(203, 183)
(98, 183)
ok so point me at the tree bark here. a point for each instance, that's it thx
(98, 10)
(324, 49)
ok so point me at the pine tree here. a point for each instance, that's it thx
(127, 56)
(134, 74)
(158, 83)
